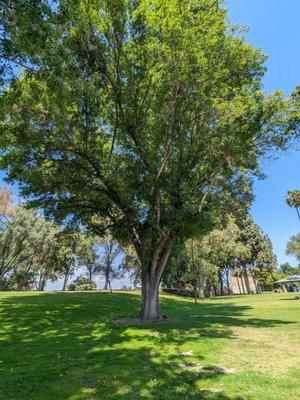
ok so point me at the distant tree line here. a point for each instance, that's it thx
(34, 251)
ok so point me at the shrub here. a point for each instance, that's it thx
(82, 283)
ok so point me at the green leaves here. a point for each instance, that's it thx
(293, 246)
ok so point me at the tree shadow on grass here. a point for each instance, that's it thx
(295, 298)
(65, 346)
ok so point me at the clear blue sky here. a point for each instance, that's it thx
(274, 26)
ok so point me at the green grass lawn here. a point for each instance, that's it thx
(59, 346)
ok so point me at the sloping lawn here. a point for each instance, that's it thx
(59, 346)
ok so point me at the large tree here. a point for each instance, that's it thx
(143, 116)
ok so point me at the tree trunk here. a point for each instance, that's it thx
(221, 283)
(44, 281)
(242, 282)
(246, 280)
(238, 282)
(196, 294)
(152, 271)
(105, 287)
(201, 292)
(40, 282)
(228, 282)
(109, 285)
(65, 281)
(150, 307)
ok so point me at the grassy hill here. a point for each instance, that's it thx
(59, 346)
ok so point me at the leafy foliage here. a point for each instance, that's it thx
(82, 283)
(293, 200)
(286, 269)
(293, 246)
(210, 261)
(110, 250)
(33, 250)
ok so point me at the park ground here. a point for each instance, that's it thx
(66, 346)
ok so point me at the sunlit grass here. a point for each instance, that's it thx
(58, 346)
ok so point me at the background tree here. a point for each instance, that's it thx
(200, 269)
(90, 261)
(287, 269)
(131, 266)
(225, 249)
(259, 258)
(146, 116)
(6, 205)
(293, 247)
(110, 250)
(28, 242)
(293, 200)
(75, 250)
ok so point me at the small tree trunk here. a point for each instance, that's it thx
(109, 285)
(215, 289)
(221, 283)
(246, 280)
(44, 281)
(242, 282)
(201, 288)
(65, 281)
(228, 282)
(238, 282)
(195, 294)
(105, 287)
(40, 282)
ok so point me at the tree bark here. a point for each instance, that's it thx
(151, 277)
(41, 282)
(43, 285)
(228, 282)
(195, 294)
(242, 282)
(238, 282)
(65, 281)
(246, 280)
(105, 287)
(90, 274)
(221, 283)
(150, 307)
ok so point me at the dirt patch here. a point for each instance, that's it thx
(194, 367)
(211, 390)
(188, 353)
(135, 320)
